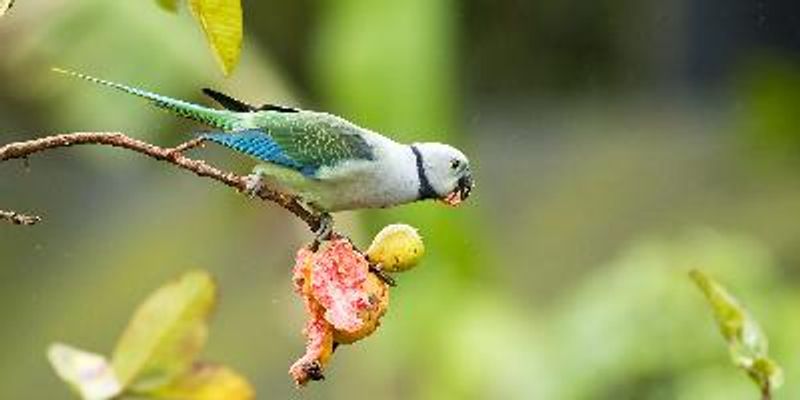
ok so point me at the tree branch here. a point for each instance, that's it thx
(172, 155)
(19, 219)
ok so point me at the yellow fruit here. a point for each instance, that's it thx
(396, 248)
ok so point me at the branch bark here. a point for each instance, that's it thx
(19, 219)
(174, 156)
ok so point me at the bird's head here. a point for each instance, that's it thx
(447, 172)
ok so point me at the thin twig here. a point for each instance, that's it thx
(19, 219)
(766, 393)
(173, 156)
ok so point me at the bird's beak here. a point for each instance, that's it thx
(461, 192)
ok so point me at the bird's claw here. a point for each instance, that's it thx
(253, 184)
(324, 231)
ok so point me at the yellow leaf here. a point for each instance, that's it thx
(88, 373)
(221, 21)
(165, 334)
(207, 382)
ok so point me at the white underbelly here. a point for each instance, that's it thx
(363, 187)
(383, 182)
(351, 195)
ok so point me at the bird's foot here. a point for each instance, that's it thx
(382, 275)
(253, 184)
(324, 231)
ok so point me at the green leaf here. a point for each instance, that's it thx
(730, 315)
(221, 21)
(766, 373)
(207, 381)
(747, 343)
(169, 5)
(88, 373)
(5, 5)
(165, 334)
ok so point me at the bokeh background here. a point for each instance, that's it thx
(616, 144)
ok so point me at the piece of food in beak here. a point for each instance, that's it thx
(454, 198)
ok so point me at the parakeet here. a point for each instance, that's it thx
(331, 164)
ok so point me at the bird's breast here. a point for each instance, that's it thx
(379, 183)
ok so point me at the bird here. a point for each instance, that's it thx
(326, 161)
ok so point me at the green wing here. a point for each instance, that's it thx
(322, 143)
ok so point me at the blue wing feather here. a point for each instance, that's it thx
(259, 144)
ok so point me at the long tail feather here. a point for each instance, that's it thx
(220, 119)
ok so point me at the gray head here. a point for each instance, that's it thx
(446, 171)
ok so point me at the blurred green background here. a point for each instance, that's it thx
(616, 144)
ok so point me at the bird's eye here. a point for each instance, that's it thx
(454, 163)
